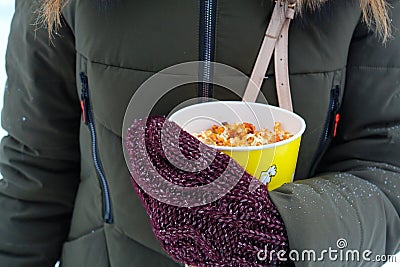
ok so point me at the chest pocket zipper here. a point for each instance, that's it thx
(330, 128)
(88, 120)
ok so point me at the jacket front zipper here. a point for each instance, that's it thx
(206, 46)
(330, 127)
(88, 120)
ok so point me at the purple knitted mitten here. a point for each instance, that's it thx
(229, 231)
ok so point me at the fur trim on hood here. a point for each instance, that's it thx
(375, 12)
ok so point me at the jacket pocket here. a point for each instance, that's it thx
(88, 119)
(330, 127)
(88, 250)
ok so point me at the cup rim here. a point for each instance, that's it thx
(250, 148)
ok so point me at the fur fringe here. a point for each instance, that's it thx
(375, 14)
(49, 15)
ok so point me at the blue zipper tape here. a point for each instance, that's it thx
(329, 126)
(87, 114)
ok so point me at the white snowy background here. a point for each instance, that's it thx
(6, 12)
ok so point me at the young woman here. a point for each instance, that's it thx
(66, 192)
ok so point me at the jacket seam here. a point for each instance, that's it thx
(378, 164)
(383, 193)
(85, 234)
(112, 65)
(150, 71)
(43, 150)
(103, 124)
(366, 67)
(314, 72)
(120, 67)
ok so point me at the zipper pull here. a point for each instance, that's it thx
(336, 108)
(337, 118)
(84, 98)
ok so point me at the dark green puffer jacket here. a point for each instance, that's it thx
(51, 199)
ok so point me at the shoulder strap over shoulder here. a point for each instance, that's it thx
(276, 38)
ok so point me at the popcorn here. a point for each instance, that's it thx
(241, 134)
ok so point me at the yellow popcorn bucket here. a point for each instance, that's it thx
(274, 164)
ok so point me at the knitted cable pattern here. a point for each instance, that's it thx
(226, 232)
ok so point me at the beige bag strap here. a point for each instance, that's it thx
(276, 38)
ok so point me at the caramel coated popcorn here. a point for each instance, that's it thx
(241, 134)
